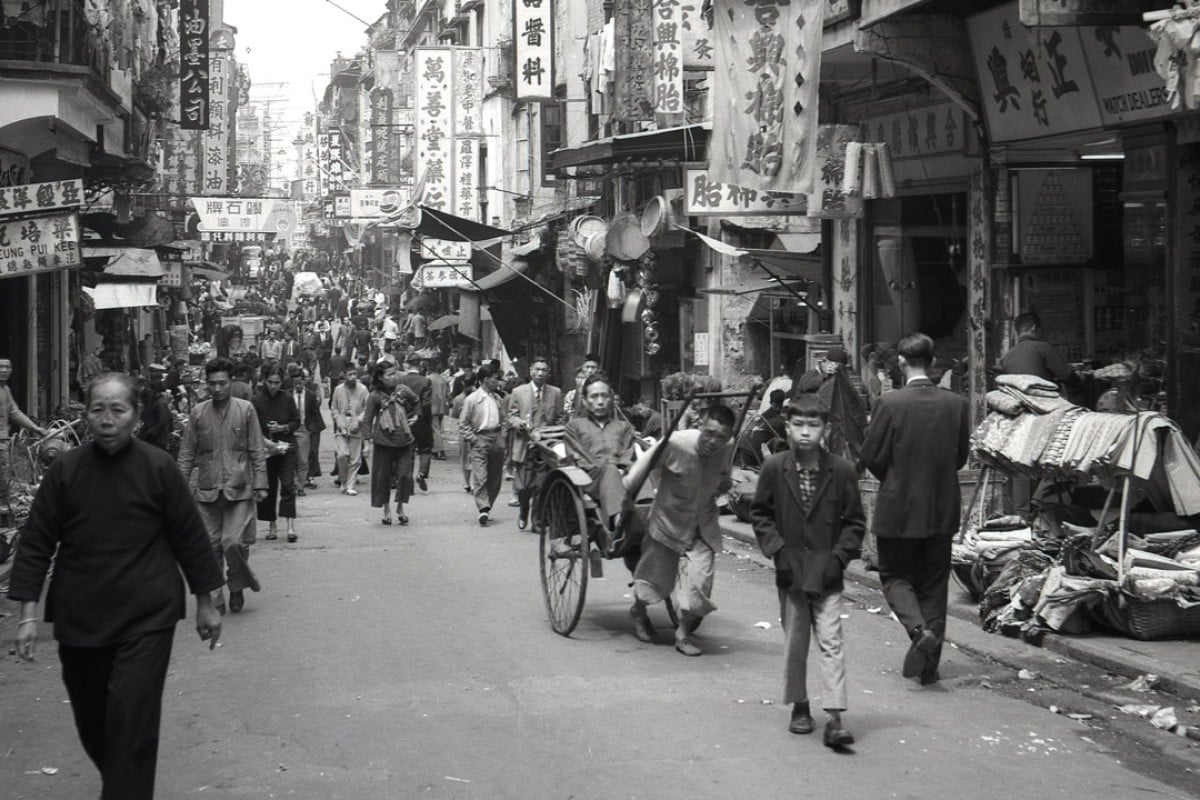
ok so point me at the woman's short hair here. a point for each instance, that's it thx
(126, 381)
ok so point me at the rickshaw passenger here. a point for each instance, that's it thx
(607, 445)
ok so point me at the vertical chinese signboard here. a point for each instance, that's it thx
(434, 125)
(667, 16)
(193, 64)
(633, 21)
(696, 35)
(533, 49)
(215, 141)
(765, 110)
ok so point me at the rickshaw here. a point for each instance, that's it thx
(574, 543)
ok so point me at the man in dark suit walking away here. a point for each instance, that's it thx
(917, 441)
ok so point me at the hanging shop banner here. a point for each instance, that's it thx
(668, 56)
(533, 49)
(434, 97)
(1049, 13)
(443, 276)
(765, 110)
(1122, 62)
(331, 159)
(32, 198)
(251, 216)
(937, 130)
(704, 196)
(39, 244)
(697, 37)
(215, 140)
(634, 40)
(829, 199)
(193, 65)
(1033, 81)
(466, 169)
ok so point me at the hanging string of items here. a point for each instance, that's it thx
(647, 280)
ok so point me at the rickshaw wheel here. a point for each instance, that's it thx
(563, 549)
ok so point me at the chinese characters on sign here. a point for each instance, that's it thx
(434, 162)
(533, 49)
(216, 138)
(931, 131)
(193, 64)
(705, 196)
(633, 24)
(466, 168)
(34, 197)
(828, 199)
(236, 219)
(442, 276)
(668, 56)
(1033, 81)
(39, 244)
(331, 158)
(765, 104)
(696, 35)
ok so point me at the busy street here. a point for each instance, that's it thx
(599, 398)
(383, 662)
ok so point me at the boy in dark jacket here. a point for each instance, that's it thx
(808, 517)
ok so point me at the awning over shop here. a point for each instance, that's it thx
(128, 262)
(801, 265)
(441, 323)
(685, 143)
(123, 295)
(771, 285)
(440, 225)
(501, 276)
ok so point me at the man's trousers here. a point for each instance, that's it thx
(348, 450)
(915, 574)
(303, 442)
(231, 531)
(487, 468)
(116, 697)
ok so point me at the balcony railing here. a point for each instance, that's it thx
(55, 34)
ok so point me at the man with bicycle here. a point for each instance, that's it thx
(10, 417)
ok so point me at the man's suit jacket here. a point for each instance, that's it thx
(521, 407)
(918, 440)
(832, 528)
(313, 422)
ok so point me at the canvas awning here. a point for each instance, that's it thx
(130, 262)
(800, 265)
(123, 295)
(501, 276)
(441, 225)
(683, 143)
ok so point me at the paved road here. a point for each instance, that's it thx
(417, 662)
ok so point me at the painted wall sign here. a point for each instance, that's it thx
(39, 244)
(704, 196)
(193, 64)
(1033, 81)
(765, 105)
(32, 198)
(533, 49)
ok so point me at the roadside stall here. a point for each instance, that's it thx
(1112, 540)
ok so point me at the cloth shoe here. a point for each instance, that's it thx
(642, 629)
(424, 484)
(351, 491)
(237, 601)
(292, 537)
(802, 721)
(916, 660)
(684, 645)
(484, 519)
(522, 521)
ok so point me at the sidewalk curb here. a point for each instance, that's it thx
(1105, 653)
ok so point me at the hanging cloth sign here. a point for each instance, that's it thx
(765, 105)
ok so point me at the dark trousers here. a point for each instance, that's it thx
(281, 488)
(915, 574)
(314, 454)
(391, 468)
(527, 476)
(116, 697)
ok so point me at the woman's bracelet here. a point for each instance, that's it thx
(30, 619)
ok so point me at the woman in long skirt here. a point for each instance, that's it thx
(386, 423)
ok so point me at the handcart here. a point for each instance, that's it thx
(574, 541)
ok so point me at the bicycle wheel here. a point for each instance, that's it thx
(563, 550)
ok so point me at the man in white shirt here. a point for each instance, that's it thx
(482, 427)
(349, 404)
